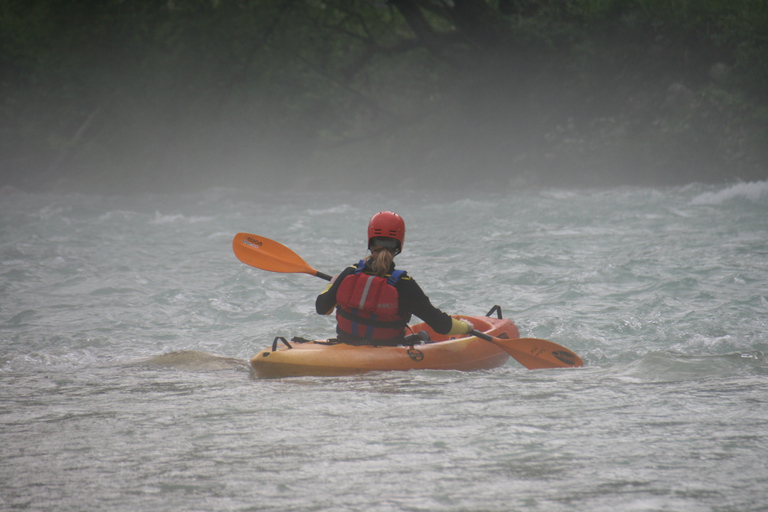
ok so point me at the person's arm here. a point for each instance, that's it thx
(326, 301)
(415, 301)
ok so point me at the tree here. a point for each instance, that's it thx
(160, 92)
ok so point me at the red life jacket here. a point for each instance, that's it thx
(367, 310)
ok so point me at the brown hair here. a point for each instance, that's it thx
(381, 261)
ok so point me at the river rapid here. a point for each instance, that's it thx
(126, 325)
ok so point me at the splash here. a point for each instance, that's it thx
(177, 217)
(192, 360)
(753, 191)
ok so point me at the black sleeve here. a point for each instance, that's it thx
(413, 300)
(326, 301)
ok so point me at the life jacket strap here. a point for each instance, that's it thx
(349, 339)
(393, 324)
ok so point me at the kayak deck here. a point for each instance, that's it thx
(325, 358)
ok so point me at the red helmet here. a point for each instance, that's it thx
(387, 225)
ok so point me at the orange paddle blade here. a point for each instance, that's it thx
(266, 254)
(534, 353)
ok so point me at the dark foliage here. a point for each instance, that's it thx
(123, 95)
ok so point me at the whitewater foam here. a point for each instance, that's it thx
(753, 191)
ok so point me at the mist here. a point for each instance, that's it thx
(166, 96)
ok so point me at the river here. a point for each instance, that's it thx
(126, 325)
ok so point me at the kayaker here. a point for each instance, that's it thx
(373, 301)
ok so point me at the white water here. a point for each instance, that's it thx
(663, 292)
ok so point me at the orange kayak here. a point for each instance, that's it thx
(327, 358)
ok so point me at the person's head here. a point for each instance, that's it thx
(386, 234)
(387, 230)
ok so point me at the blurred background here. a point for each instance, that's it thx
(119, 95)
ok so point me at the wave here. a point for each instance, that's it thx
(753, 191)
(342, 208)
(668, 366)
(178, 217)
(192, 360)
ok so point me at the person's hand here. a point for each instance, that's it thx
(333, 279)
(460, 326)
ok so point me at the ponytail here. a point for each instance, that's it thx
(380, 262)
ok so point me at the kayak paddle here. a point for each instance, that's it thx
(534, 353)
(266, 254)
